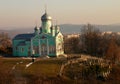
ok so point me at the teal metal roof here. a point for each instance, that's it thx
(24, 36)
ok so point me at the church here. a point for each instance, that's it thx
(46, 40)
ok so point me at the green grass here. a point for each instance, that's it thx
(10, 62)
(45, 67)
(47, 70)
(42, 70)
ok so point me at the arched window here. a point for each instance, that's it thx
(52, 49)
(36, 49)
(44, 49)
(22, 49)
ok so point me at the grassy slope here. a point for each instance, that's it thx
(42, 70)
(45, 70)
(45, 66)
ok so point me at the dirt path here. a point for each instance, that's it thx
(18, 69)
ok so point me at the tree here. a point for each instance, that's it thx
(112, 51)
(103, 44)
(90, 39)
(5, 44)
(71, 45)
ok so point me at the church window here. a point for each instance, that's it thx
(36, 49)
(29, 53)
(22, 49)
(44, 49)
(53, 49)
(43, 37)
(29, 48)
(16, 48)
(50, 49)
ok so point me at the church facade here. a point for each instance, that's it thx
(46, 40)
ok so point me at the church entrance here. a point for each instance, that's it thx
(44, 49)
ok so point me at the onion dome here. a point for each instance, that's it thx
(46, 17)
(36, 28)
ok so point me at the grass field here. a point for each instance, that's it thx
(46, 67)
(40, 71)
(45, 71)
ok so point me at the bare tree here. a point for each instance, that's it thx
(112, 51)
(90, 39)
(71, 45)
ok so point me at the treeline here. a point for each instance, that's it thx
(93, 42)
(5, 44)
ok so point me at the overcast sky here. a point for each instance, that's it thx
(27, 13)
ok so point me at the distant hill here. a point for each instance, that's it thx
(69, 28)
(65, 28)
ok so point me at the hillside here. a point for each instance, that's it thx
(45, 71)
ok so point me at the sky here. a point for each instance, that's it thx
(27, 13)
